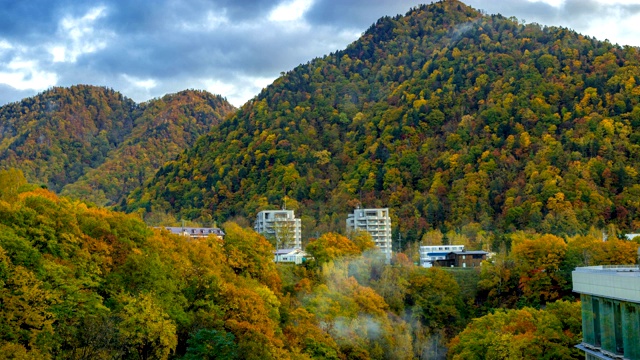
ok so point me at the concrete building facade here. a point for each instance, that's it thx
(376, 222)
(610, 298)
(281, 225)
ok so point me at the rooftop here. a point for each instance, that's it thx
(287, 251)
(464, 252)
(194, 230)
(621, 282)
(623, 270)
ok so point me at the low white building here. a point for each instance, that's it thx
(281, 225)
(194, 232)
(295, 256)
(429, 254)
(377, 223)
(631, 236)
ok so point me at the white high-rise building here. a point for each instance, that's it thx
(281, 225)
(377, 223)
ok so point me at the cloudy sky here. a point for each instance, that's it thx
(234, 48)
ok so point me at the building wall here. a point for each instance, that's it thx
(377, 223)
(611, 282)
(468, 260)
(281, 225)
(295, 258)
(430, 253)
(610, 300)
(611, 326)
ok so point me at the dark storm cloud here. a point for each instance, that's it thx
(8, 92)
(162, 42)
(149, 48)
(172, 51)
(27, 18)
(355, 13)
(157, 41)
(574, 14)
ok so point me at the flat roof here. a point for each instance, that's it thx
(620, 282)
(179, 230)
(475, 252)
(287, 251)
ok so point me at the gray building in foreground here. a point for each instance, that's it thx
(610, 297)
(376, 222)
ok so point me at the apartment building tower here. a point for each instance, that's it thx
(376, 222)
(280, 225)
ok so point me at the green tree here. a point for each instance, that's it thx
(433, 298)
(211, 344)
(146, 328)
(521, 334)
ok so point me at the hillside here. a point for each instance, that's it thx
(82, 282)
(93, 143)
(164, 129)
(453, 119)
(55, 136)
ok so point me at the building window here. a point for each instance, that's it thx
(617, 323)
(596, 321)
(631, 330)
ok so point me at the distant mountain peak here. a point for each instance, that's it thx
(84, 139)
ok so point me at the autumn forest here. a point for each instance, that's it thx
(518, 139)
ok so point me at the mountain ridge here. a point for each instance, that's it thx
(454, 119)
(85, 141)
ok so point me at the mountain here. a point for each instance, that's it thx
(453, 119)
(164, 129)
(93, 143)
(55, 136)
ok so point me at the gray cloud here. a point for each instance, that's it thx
(355, 13)
(575, 14)
(146, 49)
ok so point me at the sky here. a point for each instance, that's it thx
(146, 49)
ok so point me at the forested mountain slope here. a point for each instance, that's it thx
(82, 282)
(165, 128)
(93, 143)
(452, 118)
(55, 136)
